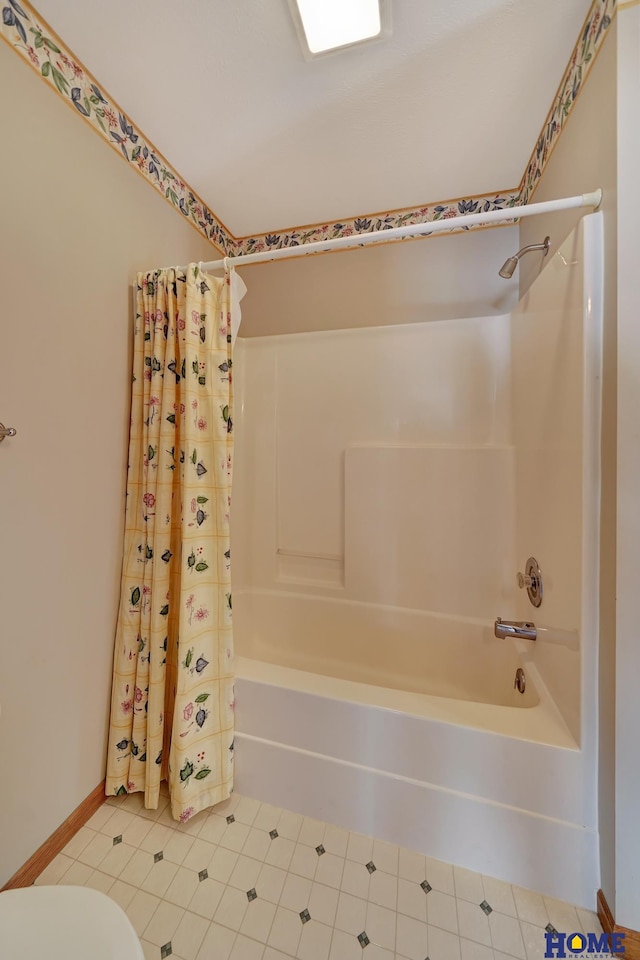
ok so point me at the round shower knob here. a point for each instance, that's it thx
(532, 580)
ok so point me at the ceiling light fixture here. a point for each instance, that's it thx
(327, 25)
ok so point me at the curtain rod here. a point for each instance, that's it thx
(592, 199)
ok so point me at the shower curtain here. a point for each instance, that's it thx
(172, 698)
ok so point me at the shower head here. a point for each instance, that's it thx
(508, 267)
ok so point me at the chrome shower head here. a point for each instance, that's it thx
(508, 267)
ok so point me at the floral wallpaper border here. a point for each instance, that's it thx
(595, 28)
(379, 221)
(28, 34)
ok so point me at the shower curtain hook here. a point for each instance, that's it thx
(226, 264)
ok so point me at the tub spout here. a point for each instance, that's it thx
(515, 628)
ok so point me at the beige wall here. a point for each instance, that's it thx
(627, 769)
(439, 278)
(76, 226)
(584, 159)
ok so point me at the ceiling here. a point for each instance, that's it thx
(451, 105)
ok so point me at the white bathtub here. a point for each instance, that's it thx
(405, 725)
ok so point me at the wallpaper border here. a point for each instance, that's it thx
(30, 36)
(588, 44)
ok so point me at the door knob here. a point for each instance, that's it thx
(6, 432)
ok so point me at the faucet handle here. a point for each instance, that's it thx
(532, 580)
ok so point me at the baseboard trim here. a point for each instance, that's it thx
(43, 856)
(604, 914)
(631, 937)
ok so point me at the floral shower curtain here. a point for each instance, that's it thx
(172, 700)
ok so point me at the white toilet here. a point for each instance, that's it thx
(64, 923)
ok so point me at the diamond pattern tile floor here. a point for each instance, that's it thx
(248, 881)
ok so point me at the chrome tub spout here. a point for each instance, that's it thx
(515, 628)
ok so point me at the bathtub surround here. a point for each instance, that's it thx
(556, 358)
(578, 158)
(76, 227)
(608, 105)
(436, 489)
(250, 881)
(362, 556)
(450, 399)
(172, 699)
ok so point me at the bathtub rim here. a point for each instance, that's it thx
(542, 723)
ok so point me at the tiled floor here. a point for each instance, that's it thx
(247, 881)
